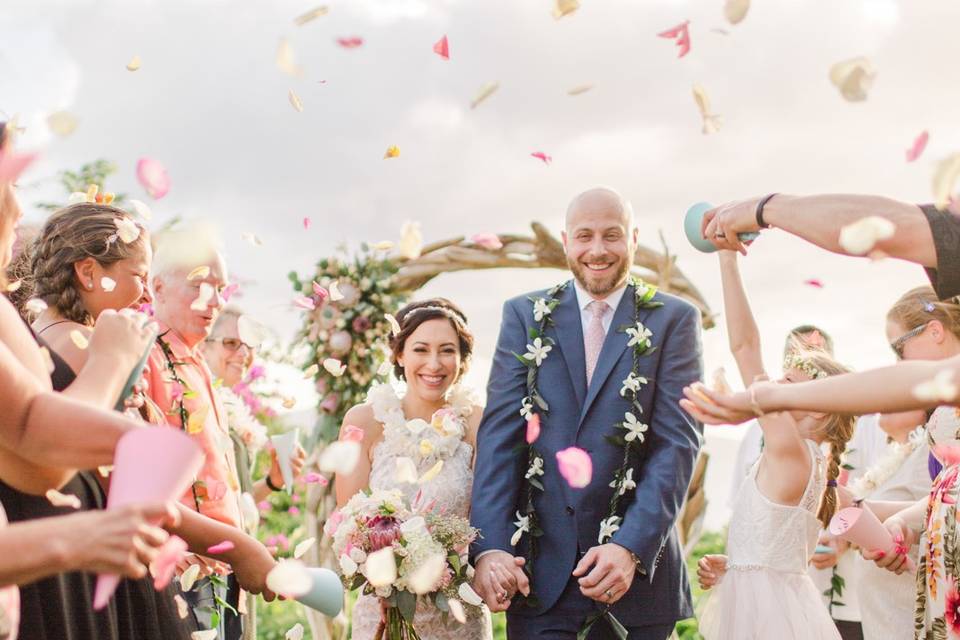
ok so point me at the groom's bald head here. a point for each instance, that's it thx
(599, 200)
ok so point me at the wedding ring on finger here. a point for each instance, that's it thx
(609, 594)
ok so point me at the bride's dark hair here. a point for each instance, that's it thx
(416, 313)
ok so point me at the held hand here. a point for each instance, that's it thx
(612, 573)
(122, 336)
(123, 541)
(498, 577)
(297, 461)
(710, 570)
(722, 224)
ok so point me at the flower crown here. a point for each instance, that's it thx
(795, 361)
(450, 313)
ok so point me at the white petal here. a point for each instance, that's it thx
(286, 61)
(183, 609)
(348, 566)
(469, 595)
(381, 567)
(58, 499)
(251, 331)
(35, 305)
(335, 293)
(411, 240)
(141, 209)
(294, 633)
(425, 578)
(295, 101)
(456, 610)
(303, 547)
(860, 237)
(941, 389)
(289, 578)
(394, 325)
(248, 509)
(134, 63)
(339, 457)
(736, 10)
(108, 284)
(206, 292)
(853, 78)
(406, 471)
(515, 538)
(189, 577)
(334, 367)
(207, 634)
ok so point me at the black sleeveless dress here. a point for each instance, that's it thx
(61, 607)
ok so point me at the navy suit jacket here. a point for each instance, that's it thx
(583, 417)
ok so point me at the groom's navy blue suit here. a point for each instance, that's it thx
(581, 416)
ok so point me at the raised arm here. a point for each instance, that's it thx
(742, 329)
(819, 219)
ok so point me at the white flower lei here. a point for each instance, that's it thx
(888, 465)
(242, 422)
(425, 442)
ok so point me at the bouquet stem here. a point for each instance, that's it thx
(396, 627)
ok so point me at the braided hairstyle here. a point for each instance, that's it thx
(416, 313)
(70, 235)
(837, 430)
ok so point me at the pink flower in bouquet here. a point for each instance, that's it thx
(320, 294)
(382, 531)
(952, 614)
(333, 523)
(330, 403)
(361, 324)
(575, 467)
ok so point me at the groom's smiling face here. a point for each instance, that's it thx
(599, 240)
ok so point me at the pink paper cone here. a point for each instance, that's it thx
(150, 465)
(861, 527)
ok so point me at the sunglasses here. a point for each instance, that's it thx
(897, 345)
(231, 344)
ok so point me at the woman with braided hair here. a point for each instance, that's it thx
(761, 588)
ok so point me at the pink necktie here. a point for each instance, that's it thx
(593, 339)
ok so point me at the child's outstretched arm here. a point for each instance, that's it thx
(742, 329)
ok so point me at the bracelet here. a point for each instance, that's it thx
(754, 405)
(272, 486)
(760, 205)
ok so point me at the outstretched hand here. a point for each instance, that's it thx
(499, 576)
(612, 573)
(722, 225)
(711, 407)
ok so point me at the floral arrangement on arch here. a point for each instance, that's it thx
(345, 302)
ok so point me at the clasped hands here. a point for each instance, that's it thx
(605, 574)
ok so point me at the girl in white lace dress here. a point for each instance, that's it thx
(421, 443)
(761, 588)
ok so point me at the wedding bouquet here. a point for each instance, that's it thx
(400, 554)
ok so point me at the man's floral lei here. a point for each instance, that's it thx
(630, 433)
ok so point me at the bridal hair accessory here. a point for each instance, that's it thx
(794, 361)
(450, 313)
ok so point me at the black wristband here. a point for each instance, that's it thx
(760, 206)
(271, 486)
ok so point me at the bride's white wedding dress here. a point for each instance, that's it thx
(444, 477)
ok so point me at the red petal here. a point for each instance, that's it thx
(350, 43)
(442, 48)
(918, 146)
(813, 282)
(306, 223)
(540, 155)
(229, 290)
(681, 34)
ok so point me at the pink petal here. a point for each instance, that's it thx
(575, 467)
(350, 43)
(321, 293)
(487, 241)
(13, 164)
(165, 564)
(153, 177)
(306, 223)
(264, 505)
(813, 282)
(229, 290)
(315, 478)
(913, 152)
(533, 428)
(540, 155)
(221, 547)
(146, 308)
(352, 434)
(681, 34)
(176, 391)
(304, 303)
(294, 511)
(442, 48)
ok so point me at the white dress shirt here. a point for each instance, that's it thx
(584, 298)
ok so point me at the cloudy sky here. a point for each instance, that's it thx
(210, 103)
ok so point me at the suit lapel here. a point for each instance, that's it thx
(613, 347)
(569, 329)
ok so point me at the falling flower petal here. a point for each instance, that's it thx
(189, 577)
(381, 567)
(393, 151)
(295, 101)
(383, 245)
(860, 237)
(229, 290)
(13, 164)
(469, 595)
(485, 92)
(165, 564)
(350, 43)
(248, 508)
(58, 499)
(289, 578)
(853, 78)
(533, 428)
(944, 180)
(736, 10)
(487, 241)
(153, 177)
(306, 223)
(564, 8)
(334, 367)
(252, 238)
(339, 457)
(108, 284)
(577, 90)
(303, 547)
(456, 610)
(919, 145)
(79, 340)
(711, 121)
(294, 633)
(221, 547)
(540, 155)
(304, 302)
(13, 286)
(127, 230)
(311, 371)
(286, 60)
(941, 389)
(182, 607)
(62, 123)
(411, 240)
(406, 471)
(313, 14)
(352, 433)
(321, 293)
(47, 359)
(442, 48)
(394, 325)
(432, 472)
(681, 34)
(315, 478)
(199, 273)
(813, 282)
(720, 384)
(206, 293)
(35, 305)
(575, 467)
(134, 63)
(384, 369)
(427, 576)
(141, 209)
(206, 634)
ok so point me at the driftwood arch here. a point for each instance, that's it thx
(538, 251)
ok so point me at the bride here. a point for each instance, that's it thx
(434, 424)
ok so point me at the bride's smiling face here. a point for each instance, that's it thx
(431, 359)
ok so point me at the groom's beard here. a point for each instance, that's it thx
(599, 287)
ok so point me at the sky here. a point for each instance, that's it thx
(210, 103)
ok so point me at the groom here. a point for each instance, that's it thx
(633, 565)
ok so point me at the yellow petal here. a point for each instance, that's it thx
(383, 245)
(853, 78)
(199, 273)
(62, 123)
(134, 63)
(286, 61)
(58, 499)
(431, 472)
(577, 90)
(393, 151)
(197, 420)
(313, 14)
(485, 92)
(92, 192)
(945, 179)
(189, 577)
(736, 10)
(565, 8)
(426, 448)
(295, 101)
(311, 371)
(79, 340)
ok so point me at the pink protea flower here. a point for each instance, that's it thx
(382, 531)
(361, 324)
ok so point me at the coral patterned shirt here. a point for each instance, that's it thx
(216, 491)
